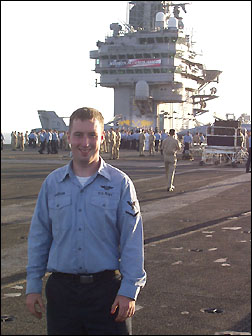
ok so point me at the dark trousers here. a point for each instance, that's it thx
(83, 309)
(49, 147)
(186, 146)
(54, 144)
(248, 160)
(42, 147)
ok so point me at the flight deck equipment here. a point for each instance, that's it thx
(224, 143)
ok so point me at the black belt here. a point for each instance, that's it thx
(87, 277)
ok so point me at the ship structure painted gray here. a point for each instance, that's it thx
(151, 64)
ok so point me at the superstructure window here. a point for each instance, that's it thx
(164, 39)
(142, 40)
(138, 71)
(150, 40)
(122, 56)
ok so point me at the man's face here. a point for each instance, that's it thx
(85, 138)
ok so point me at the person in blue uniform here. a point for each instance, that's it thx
(248, 145)
(87, 231)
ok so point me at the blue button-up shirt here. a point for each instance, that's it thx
(188, 138)
(88, 229)
(42, 137)
(48, 136)
(55, 136)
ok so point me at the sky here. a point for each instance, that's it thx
(45, 62)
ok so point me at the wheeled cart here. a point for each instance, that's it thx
(224, 144)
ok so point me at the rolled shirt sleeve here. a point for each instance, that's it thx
(39, 242)
(131, 243)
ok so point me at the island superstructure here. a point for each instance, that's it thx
(151, 64)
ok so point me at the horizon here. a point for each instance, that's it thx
(7, 135)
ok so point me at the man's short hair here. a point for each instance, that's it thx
(172, 131)
(86, 113)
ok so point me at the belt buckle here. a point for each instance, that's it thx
(86, 279)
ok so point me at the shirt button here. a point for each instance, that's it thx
(57, 205)
(80, 210)
(79, 248)
(79, 229)
(103, 205)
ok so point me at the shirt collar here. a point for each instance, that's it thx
(104, 170)
(68, 171)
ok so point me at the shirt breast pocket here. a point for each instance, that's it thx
(104, 211)
(60, 211)
(59, 202)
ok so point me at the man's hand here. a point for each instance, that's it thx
(126, 308)
(32, 301)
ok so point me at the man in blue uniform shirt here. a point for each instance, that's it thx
(248, 145)
(187, 141)
(87, 231)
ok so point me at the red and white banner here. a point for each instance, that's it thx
(133, 63)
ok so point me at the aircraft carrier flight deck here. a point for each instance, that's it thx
(197, 243)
